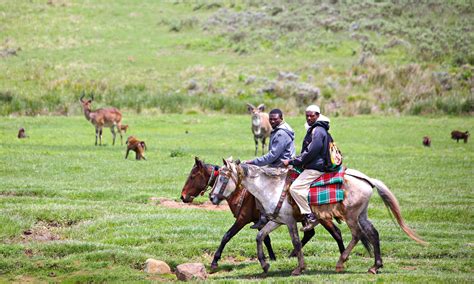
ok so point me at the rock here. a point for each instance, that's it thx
(192, 85)
(156, 266)
(250, 80)
(287, 76)
(189, 271)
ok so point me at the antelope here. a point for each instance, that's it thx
(124, 128)
(261, 127)
(102, 117)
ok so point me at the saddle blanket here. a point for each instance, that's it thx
(327, 189)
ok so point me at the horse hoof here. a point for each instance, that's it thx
(372, 270)
(339, 269)
(296, 272)
(214, 267)
(265, 268)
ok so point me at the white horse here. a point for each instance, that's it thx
(268, 189)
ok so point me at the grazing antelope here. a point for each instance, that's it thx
(102, 117)
(261, 127)
(21, 133)
(124, 128)
(457, 135)
(136, 145)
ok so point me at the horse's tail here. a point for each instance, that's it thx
(391, 203)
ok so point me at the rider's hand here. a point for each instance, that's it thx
(249, 162)
(285, 162)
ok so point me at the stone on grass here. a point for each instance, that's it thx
(156, 266)
(189, 271)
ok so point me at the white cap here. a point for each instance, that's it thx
(313, 108)
(323, 118)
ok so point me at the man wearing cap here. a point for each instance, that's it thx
(312, 160)
(281, 147)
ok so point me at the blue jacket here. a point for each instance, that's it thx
(315, 148)
(281, 147)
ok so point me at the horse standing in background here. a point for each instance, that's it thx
(261, 127)
(243, 207)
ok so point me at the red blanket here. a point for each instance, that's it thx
(327, 189)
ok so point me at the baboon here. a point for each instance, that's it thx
(427, 141)
(456, 135)
(136, 145)
(21, 133)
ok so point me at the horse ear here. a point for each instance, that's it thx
(224, 161)
(250, 107)
(197, 162)
(261, 107)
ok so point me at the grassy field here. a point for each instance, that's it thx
(364, 57)
(70, 211)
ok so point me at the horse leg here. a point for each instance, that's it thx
(268, 244)
(263, 145)
(236, 227)
(355, 230)
(308, 235)
(373, 237)
(335, 233)
(295, 239)
(270, 226)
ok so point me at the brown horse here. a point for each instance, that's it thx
(243, 207)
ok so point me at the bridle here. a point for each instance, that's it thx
(214, 172)
(212, 178)
(226, 176)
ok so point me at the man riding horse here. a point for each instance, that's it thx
(281, 147)
(312, 160)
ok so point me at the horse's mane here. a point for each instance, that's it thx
(254, 171)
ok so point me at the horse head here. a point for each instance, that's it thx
(229, 179)
(199, 179)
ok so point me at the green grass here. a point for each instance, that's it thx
(137, 54)
(98, 204)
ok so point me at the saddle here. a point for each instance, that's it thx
(324, 197)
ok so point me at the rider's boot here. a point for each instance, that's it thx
(261, 222)
(310, 222)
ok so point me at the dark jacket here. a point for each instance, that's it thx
(281, 147)
(315, 148)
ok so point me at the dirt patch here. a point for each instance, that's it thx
(207, 205)
(41, 232)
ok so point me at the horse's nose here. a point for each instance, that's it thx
(214, 199)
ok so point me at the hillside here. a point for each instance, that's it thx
(361, 57)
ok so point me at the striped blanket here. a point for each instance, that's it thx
(327, 189)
